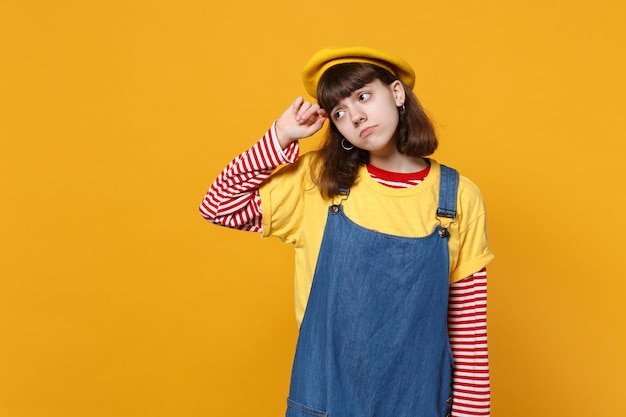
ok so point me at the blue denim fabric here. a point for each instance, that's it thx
(374, 338)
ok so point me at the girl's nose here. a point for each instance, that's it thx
(358, 118)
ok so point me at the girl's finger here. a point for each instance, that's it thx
(303, 110)
(311, 111)
(295, 106)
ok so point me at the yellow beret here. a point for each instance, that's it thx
(328, 57)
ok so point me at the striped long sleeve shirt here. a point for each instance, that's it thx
(233, 201)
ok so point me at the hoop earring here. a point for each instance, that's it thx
(343, 145)
(401, 108)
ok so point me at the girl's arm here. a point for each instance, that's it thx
(467, 327)
(233, 199)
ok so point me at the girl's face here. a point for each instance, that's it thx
(368, 118)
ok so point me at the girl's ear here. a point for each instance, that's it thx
(397, 89)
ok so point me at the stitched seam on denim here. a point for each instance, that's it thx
(304, 409)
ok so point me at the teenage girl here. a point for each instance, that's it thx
(391, 247)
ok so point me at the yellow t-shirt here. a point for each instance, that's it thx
(295, 212)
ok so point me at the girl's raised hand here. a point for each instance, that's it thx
(301, 120)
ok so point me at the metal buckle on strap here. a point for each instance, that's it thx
(449, 216)
(443, 212)
(343, 193)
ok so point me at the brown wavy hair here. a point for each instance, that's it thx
(336, 168)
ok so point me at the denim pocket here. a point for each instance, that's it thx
(298, 410)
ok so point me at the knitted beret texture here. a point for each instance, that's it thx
(331, 56)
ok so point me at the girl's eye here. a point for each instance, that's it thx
(338, 114)
(364, 96)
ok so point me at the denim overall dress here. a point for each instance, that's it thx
(374, 338)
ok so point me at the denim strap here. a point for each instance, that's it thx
(449, 183)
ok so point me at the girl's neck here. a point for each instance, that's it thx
(399, 163)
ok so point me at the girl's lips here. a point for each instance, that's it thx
(366, 131)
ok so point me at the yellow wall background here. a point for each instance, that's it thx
(116, 299)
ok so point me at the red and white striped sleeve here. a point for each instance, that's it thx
(467, 328)
(233, 199)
